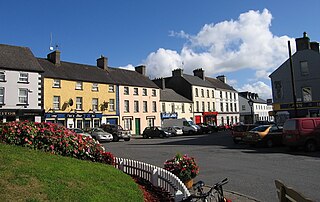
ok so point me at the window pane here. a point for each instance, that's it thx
(2, 76)
(1, 95)
(304, 68)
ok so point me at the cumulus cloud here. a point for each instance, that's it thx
(227, 46)
(128, 67)
(259, 87)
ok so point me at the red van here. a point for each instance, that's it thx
(302, 132)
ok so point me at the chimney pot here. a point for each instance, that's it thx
(199, 73)
(102, 62)
(222, 78)
(177, 72)
(54, 57)
(141, 69)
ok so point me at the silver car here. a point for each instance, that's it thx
(100, 135)
(80, 132)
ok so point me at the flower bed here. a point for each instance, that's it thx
(53, 138)
(184, 167)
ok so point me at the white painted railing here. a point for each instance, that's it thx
(159, 177)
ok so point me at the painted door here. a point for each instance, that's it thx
(137, 124)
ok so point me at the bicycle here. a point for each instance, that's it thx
(215, 192)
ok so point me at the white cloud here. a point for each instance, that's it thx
(128, 67)
(263, 90)
(227, 46)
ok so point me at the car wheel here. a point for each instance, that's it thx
(126, 139)
(161, 135)
(269, 143)
(115, 138)
(144, 136)
(190, 132)
(236, 141)
(310, 146)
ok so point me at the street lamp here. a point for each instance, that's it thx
(250, 102)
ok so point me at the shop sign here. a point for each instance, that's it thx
(300, 105)
(169, 115)
(7, 113)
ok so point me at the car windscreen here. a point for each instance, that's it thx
(260, 128)
(289, 125)
(98, 130)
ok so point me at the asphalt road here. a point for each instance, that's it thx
(251, 171)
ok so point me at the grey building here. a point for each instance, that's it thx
(306, 77)
(20, 85)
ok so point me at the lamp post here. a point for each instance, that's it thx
(250, 102)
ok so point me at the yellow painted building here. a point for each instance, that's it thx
(78, 104)
(76, 95)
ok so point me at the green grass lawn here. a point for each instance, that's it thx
(28, 175)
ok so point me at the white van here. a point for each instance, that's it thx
(183, 123)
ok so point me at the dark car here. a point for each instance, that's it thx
(117, 132)
(207, 128)
(269, 135)
(155, 131)
(239, 131)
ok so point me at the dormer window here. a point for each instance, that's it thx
(23, 77)
(78, 85)
(144, 92)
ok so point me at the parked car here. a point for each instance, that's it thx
(269, 135)
(117, 132)
(239, 131)
(155, 131)
(80, 132)
(303, 132)
(175, 130)
(258, 123)
(101, 135)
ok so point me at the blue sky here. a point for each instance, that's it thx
(244, 40)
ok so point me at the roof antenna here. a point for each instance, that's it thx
(51, 47)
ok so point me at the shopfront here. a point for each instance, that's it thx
(75, 120)
(210, 118)
(7, 115)
(165, 115)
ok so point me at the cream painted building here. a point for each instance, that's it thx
(139, 99)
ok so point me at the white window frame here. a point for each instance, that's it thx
(154, 93)
(56, 102)
(126, 105)
(23, 77)
(111, 88)
(135, 91)
(127, 124)
(126, 90)
(79, 85)
(95, 87)
(56, 83)
(197, 93)
(144, 92)
(307, 94)
(202, 93)
(154, 106)
(95, 104)
(163, 107)
(79, 103)
(136, 106)
(23, 99)
(173, 107)
(182, 108)
(2, 76)
(145, 106)
(111, 105)
(2, 93)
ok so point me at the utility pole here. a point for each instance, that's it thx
(293, 83)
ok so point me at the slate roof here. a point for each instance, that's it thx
(18, 58)
(169, 95)
(75, 72)
(130, 78)
(219, 84)
(89, 73)
(194, 80)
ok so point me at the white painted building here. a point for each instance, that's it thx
(20, 85)
(260, 108)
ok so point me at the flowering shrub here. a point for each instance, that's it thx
(184, 167)
(53, 138)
